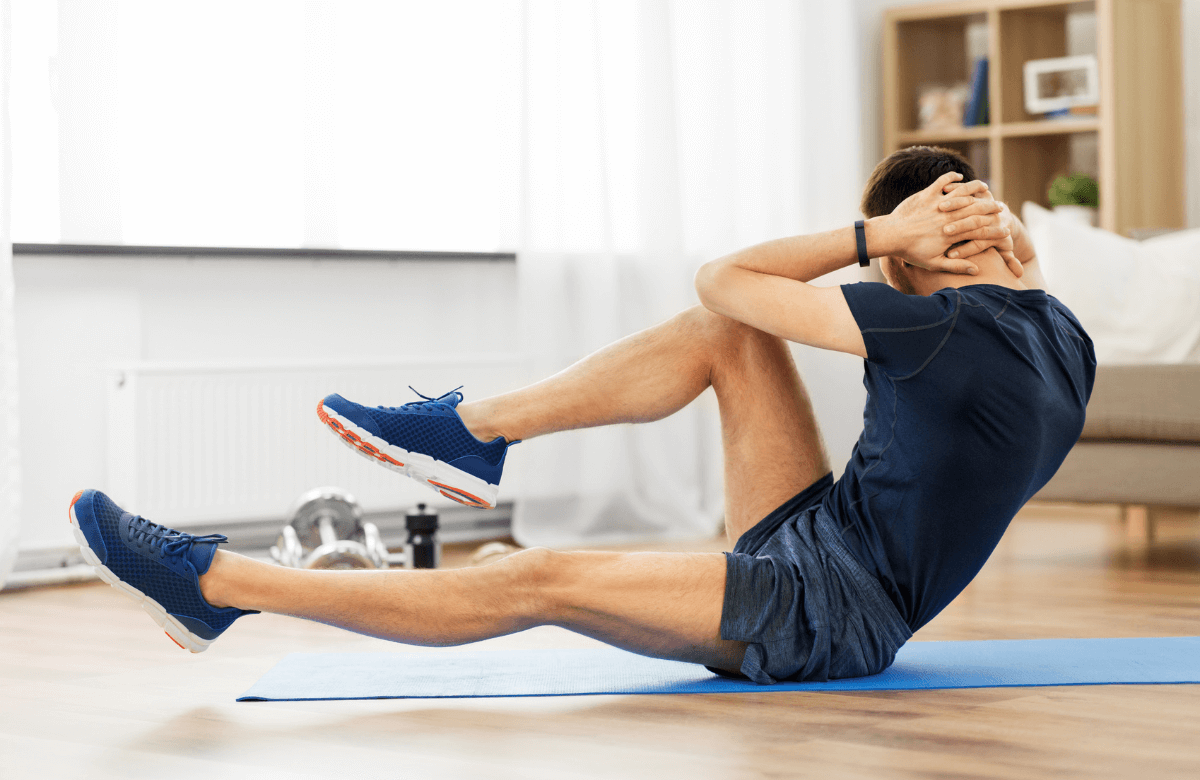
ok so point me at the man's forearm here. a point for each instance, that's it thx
(805, 258)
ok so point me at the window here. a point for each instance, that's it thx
(264, 123)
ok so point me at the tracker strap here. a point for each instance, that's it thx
(860, 238)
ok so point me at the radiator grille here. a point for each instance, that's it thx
(194, 444)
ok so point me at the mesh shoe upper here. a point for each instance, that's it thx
(431, 427)
(163, 564)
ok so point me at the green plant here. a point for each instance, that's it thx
(1075, 190)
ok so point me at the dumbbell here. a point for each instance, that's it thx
(327, 532)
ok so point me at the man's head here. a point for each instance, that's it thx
(899, 175)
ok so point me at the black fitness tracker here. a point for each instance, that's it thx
(860, 238)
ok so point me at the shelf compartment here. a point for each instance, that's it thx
(1032, 162)
(1031, 33)
(914, 41)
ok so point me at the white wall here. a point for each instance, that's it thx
(870, 16)
(78, 315)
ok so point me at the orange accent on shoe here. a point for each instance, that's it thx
(325, 418)
(459, 499)
(181, 647)
(474, 500)
(78, 496)
(364, 447)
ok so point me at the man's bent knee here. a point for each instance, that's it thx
(527, 576)
(727, 339)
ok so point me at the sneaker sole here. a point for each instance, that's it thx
(453, 483)
(173, 628)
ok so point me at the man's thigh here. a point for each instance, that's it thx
(773, 447)
(666, 605)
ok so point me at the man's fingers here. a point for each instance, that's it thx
(990, 232)
(948, 266)
(962, 228)
(970, 215)
(968, 249)
(972, 188)
(978, 244)
(1014, 265)
(969, 253)
(956, 202)
(943, 180)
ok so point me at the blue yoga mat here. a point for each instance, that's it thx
(483, 673)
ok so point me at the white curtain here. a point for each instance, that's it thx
(10, 475)
(657, 135)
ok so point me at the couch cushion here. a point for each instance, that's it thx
(1138, 300)
(1155, 473)
(1145, 403)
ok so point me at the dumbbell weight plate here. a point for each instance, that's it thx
(326, 502)
(287, 550)
(343, 554)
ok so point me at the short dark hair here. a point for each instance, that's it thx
(906, 171)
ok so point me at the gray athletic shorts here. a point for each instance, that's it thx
(803, 602)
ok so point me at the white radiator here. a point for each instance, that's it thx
(199, 443)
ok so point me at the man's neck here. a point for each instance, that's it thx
(935, 282)
(991, 271)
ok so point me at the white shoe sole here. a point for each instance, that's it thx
(175, 630)
(453, 483)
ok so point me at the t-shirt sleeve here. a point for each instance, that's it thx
(901, 332)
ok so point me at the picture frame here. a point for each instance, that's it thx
(1061, 83)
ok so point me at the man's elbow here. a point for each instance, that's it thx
(707, 279)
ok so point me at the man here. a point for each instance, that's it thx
(977, 382)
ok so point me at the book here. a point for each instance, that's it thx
(976, 110)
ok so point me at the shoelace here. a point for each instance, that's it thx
(428, 405)
(142, 531)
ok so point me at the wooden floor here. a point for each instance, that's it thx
(90, 688)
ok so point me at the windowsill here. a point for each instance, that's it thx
(117, 250)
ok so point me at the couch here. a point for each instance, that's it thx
(1141, 442)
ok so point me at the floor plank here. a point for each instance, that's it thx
(90, 688)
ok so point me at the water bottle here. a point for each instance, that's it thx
(422, 550)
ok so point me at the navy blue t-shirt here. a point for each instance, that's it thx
(975, 396)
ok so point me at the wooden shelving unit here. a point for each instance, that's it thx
(1134, 144)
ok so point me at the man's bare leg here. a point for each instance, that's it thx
(666, 605)
(772, 444)
(661, 604)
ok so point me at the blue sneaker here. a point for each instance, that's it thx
(425, 440)
(155, 566)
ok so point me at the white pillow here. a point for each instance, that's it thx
(1139, 301)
